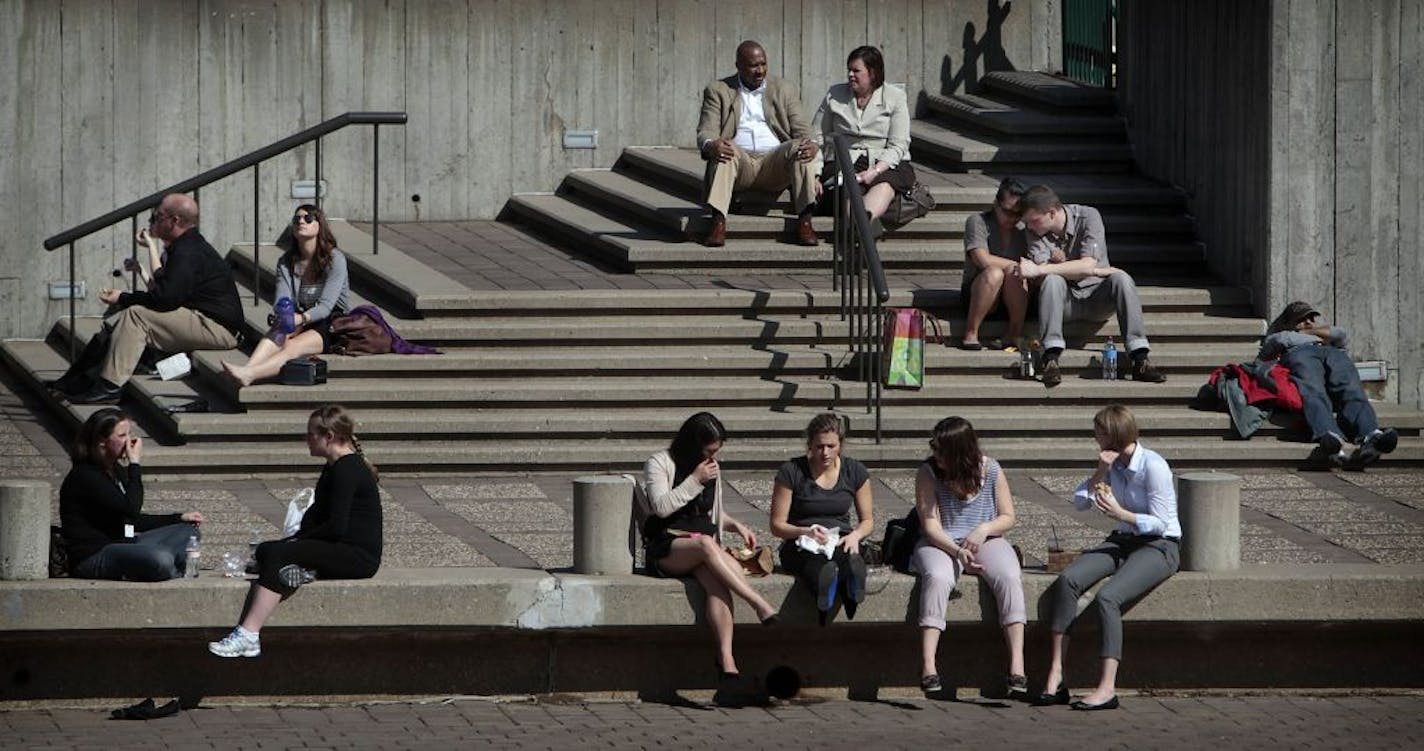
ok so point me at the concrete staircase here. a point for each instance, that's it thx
(594, 380)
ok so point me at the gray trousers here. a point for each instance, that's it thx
(1058, 301)
(1136, 565)
(156, 555)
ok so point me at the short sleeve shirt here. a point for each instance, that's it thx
(1082, 237)
(813, 504)
(977, 234)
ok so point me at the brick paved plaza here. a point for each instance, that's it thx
(1349, 722)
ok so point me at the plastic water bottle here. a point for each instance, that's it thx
(284, 320)
(195, 553)
(1110, 361)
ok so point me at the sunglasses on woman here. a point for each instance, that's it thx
(300, 219)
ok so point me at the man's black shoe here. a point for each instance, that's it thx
(71, 384)
(1371, 448)
(1051, 376)
(102, 392)
(1143, 370)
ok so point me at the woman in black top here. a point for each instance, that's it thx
(812, 498)
(100, 509)
(340, 535)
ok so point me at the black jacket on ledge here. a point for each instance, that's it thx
(193, 277)
(93, 509)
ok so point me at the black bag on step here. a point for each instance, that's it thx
(901, 537)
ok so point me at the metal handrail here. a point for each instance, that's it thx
(860, 277)
(251, 159)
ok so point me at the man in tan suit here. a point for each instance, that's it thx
(753, 136)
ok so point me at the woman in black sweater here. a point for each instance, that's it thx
(100, 509)
(340, 535)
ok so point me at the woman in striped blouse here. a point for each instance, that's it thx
(965, 508)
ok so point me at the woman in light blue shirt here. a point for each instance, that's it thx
(877, 119)
(1133, 485)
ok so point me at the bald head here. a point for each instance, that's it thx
(176, 213)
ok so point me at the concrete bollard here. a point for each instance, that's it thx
(24, 529)
(602, 506)
(1209, 509)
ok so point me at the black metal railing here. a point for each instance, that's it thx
(251, 160)
(860, 277)
(1090, 41)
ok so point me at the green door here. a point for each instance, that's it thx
(1090, 41)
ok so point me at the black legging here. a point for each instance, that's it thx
(330, 560)
(807, 566)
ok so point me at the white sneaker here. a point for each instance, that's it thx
(295, 576)
(236, 645)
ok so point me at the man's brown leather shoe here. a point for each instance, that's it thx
(717, 235)
(806, 232)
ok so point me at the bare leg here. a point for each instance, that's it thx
(1015, 292)
(260, 607)
(1014, 638)
(981, 300)
(719, 615)
(1054, 681)
(878, 198)
(1107, 683)
(688, 554)
(305, 343)
(263, 352)
(929, 648)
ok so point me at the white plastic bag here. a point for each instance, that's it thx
(828, 548)
(296, 509)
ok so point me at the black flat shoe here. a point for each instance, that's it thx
(771, 620)
(102, 392)
(931, 684)
(1083, 706)
(1046, 699)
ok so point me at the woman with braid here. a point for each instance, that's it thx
(340, 535)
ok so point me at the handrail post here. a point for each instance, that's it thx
(73, 336)
(317, 191)
(375, 189)
(133, 251)
(256, 236)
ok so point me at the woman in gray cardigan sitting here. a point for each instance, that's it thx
(877, 119)
(682, 494)
(312, 274)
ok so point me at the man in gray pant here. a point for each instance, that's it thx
(1068, 264)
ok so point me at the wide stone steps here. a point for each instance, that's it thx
(744, 422)
(964, 152)
(435, 457)
(1047, 90)
(679, 171)
(626, 193)
(1016, 120)
(637, 246)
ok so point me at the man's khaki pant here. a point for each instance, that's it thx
(772, 171)
(180, 330)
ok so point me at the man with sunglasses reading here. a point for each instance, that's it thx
(195, 307)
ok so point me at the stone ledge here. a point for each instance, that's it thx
(528, 600)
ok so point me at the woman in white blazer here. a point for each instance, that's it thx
(877, 119)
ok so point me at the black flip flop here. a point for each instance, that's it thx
(970, 346)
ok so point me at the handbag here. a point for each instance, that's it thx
(755, 561)
(359, 334)
(902, 354)
(909, 205)
(901, 537)
(304, 371)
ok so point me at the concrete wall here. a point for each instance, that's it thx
(1295, 127)
(104, 101)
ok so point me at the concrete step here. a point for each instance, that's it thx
(631, 197)
(930, 140)
(636, 246)
(1017, 120)
(697, 361)
(745, 422)
(1047, 90)
(628, 455)
(974, 191)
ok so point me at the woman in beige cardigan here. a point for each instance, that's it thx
(682, 491)
(877, 119)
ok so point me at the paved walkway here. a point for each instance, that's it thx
(527, 520)
(1353, 723)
